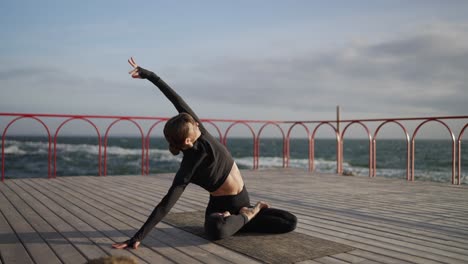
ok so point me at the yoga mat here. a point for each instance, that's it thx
(269, 248)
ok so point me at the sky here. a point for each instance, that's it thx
(275, 60)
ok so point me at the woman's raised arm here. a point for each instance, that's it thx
(179, 103)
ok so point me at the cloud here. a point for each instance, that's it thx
(419, 72)
(18, 73)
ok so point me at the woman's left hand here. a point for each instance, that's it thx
(135, 74)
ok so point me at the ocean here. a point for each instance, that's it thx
(26, 156)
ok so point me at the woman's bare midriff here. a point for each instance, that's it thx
(232, 185)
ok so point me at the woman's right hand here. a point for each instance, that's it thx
(126, 244)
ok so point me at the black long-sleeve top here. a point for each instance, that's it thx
(207, 164)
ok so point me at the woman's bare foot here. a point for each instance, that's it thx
(224, 214)
(252, 212)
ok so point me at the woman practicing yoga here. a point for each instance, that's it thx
(207, 163)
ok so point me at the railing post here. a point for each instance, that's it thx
(339, 153)
(412, 158)
(460, 152)
(374, 157)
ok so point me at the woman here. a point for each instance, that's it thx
(207, 163)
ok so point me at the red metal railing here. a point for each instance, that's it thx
(339, 135)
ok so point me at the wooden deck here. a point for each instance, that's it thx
(72, 219)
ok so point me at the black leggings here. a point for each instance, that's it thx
(268, 220)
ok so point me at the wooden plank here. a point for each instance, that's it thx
(308, 262)
(96, 229)
(64, 250)
(330, 260)
(347, 257)
(56, 217)
(11, 248)
(39, 250)
(92, 240)
(377, 257)
(150, 200)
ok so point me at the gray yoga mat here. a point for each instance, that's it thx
(269, 248)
